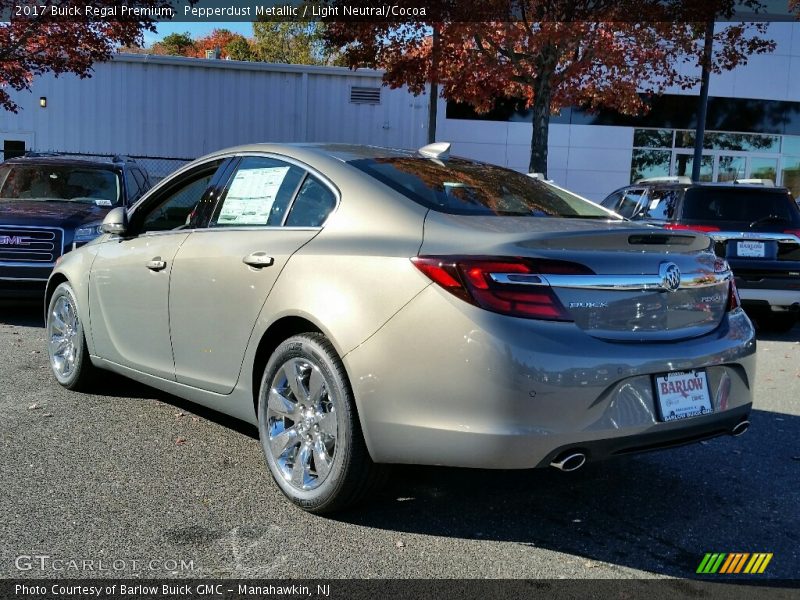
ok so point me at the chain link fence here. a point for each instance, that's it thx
(157, 167)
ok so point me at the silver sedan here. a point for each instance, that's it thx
(365, 306)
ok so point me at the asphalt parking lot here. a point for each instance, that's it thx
(137, 476)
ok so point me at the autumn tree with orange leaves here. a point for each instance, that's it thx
(552, 54)
(40, 43)
(218, 39)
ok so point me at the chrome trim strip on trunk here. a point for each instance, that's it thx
(724, 236)
(623, 283)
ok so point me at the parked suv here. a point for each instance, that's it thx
(755, 226)
(50, 204)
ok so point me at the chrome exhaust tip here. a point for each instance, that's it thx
(569, 462)
(740, 428)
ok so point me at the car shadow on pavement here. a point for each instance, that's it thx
(792, 335)
(26, 315)
(113, 385)
(659, 512)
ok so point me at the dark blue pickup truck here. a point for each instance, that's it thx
(52, 204)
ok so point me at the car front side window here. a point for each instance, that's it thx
(173, 208)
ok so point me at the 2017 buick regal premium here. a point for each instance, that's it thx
(365, 306)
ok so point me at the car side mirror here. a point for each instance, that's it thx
(116, 221)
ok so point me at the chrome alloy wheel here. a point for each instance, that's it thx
(301, 421)
(64, 335)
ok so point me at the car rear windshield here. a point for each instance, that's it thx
(59, 183)
(463, 187)
(743, 205)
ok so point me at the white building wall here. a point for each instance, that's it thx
(182, 107)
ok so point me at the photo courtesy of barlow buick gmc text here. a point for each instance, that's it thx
(337, 299)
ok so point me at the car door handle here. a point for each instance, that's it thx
(157, 264)
(258, 260)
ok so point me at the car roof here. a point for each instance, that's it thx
(342, 152)
(63, 161)
(712, 186)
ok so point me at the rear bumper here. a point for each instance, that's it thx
(777, 299)
(446, 383)
(688, 432)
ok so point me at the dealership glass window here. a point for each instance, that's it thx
(650, 163)
(790, 174)
(684, 162)
(791, 145)
(742, 142)
(731, 168)
(653, 138)
(764, 168)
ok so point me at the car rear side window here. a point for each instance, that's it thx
(464, 187)
(740, 205)
(312, 206)
(259, 193)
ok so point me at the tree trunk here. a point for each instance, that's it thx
(541, 129)
(542, 89)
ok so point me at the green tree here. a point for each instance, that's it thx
(239, 49)
(290, 43)
(175, 44)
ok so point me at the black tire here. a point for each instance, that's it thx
(350, 475)
(778, 322)
(83, 373)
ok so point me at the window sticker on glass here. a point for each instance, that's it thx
(251, 196)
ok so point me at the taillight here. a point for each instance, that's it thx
(792, 232)
(734, 301)
(470, 278)
(698, 228)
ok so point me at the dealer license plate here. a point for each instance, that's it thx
(751, 249)
(683, 394)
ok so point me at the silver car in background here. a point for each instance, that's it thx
(365, 306)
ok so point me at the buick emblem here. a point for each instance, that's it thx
(670, 276)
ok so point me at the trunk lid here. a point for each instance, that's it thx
(627, 298)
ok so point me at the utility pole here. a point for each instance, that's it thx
(434, 95)
(702, 105)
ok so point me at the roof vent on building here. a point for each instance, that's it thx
(365, 95)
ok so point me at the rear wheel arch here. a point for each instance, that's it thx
(55, 280)
(277, 332)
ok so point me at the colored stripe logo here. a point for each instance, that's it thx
(731, 563)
